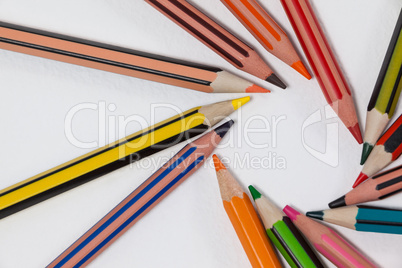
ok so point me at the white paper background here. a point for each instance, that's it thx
(190, 227)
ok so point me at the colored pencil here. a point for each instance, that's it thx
(377, 187)
(323, 63)
(328, 242)
(285, 236)
(122, 60)
(113, 156)
(267, 32)
(214, 36)
(141, 200)
(245, 220)
(386, 92)
(387, 149)
(363, 218)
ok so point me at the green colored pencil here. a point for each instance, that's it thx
(284, 234)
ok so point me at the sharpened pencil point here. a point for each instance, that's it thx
(362, 177)
(257, 89)
(291, 212)
(254, 193)
(273, 79)
(319, 215)
(299, 66)
(218, 163)
(367, 148)
(340, 202)
(355, 130)
(237, 103)
(224, 128)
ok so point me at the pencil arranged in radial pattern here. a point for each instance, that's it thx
(211, 34)
(363, 218)
(113, 156)
(328, 242)
(267, 32)
(323, 63)
(245, 220)
(122, 60)
(386, 92)
(141, 201)
(377, 187)
(387, 149)
(282, 232)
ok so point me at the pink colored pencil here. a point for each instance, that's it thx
(141, 201)
(328, 242)
(323, 63)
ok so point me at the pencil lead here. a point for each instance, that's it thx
(340, 202)
(237, 103)
(319, 215)
(257, 89)
(291, 212)
(254, 193)
(367, 148)
(299, 66)
(362, 177)
(355, 130)
(273, 79)
(218, 163)
(224, 128)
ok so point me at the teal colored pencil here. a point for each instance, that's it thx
(363, 218)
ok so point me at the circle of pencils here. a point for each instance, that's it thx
(245, 220)
(386, 92)
(386, 151)
(377, 187)
(211, 34)
(323, 63)
(285, 236)
(113, 156)
(328, 242)
(141, 200)
(267, 32)
(363, 218)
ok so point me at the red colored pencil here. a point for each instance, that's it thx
(323, 63)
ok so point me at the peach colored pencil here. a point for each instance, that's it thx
(267, 32)
(141, 201)
(232, 49)
(323, 63)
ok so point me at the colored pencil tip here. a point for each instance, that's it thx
(273, 79)
(299, 66)
(367, 148)
(362, 177)
(224, 128)
(257, 89)
(340, 202)
(254, 193)
(218, 163)
(319, 215)
(291, 212)
(355, 130)
(237, 103)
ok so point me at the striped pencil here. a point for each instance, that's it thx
(386, 151)
(363, 218)
(328, 242)
(323, 63)
(211, 34)
(245, 220)
(377, 187)
(287, 239)
(122, 60)
(386, 92)
(267, 32)
(142, 200)
(113, 156)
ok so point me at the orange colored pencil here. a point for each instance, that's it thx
(214, 36)
(267, 32)
(245, 220)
